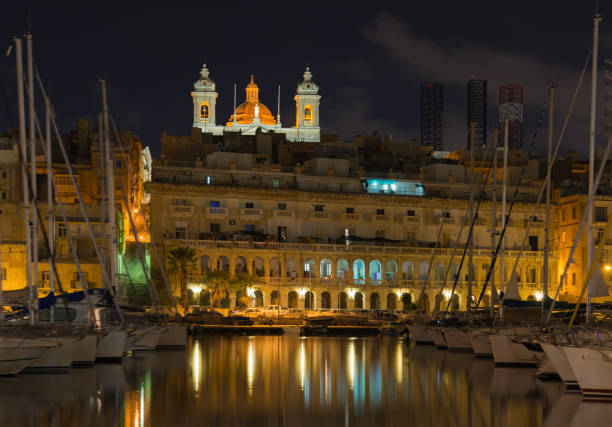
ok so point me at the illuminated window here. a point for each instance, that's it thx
(308, 113)
(61, 230)
(204, 112)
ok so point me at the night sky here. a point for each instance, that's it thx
(368, 61)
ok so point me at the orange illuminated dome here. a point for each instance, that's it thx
(245, 113)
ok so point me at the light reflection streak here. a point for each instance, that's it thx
(196, 366)
(302, 364)
(351, 364)
(399, 362)
(251, 368)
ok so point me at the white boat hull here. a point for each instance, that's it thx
(111, 346)
(419, 335)
(481, 345)
(173, 336)
(144, 340)
(85, 350)
(593, 371)
(56, 359)
(558, 359)
(437, 337)
(508, 353)
(457, 340)
(13, 360)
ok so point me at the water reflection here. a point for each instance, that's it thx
(276, 381)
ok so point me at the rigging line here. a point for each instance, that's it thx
(148, 230)
(80, 199)
(549, 169)
(438, 243)
(471, 232)
(514, 200)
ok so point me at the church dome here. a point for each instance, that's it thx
(245, 113)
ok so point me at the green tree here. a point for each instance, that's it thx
(182, 262)
(217, 281)
(242, 281)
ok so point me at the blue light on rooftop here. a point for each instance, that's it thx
(390, 186)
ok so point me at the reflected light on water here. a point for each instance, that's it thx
(351, 364)
(195, 363)
(250, 368)
(302, 364)
(399, 362)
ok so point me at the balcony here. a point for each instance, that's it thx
(181, 211)
(319, 216)
(411, 220)
(351, 217)
(382, 218)
(251, 213)
(216, 212)
(281, 213)
(447, 220)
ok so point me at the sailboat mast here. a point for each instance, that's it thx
(24, 173)
(503, 207)
(101, 160)
(50, 204)
(110, 184)
(494, 217)
(596, 19)
(545, 268)
(471, 243)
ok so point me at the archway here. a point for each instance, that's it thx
(275, 298)
(241, 265)
(325, 300)
(292, 299)
(359, 272)
(391, 301)
(223, 263)
(205, 298)
(374, 301)
(309, 300)
(325, 268)
(309, 268)
(454, 303)
(439, 302)
(375, 272)
(342, 269)
(342, 301)
(359, 300)
(292, 268)
(259, 267)
(407, 271)
(423, 268)
(204, 264)
(424, 304)
(259, 299)
(391, 272)
(275, 267)
(242, 300)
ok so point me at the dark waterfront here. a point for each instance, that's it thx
(275, 381)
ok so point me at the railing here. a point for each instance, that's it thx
(281, 213)
(216, 211)
(181, 210)
(319, 215)
(412, 220)
(315, 247)
(381, 218)
(250, 212)
(352, 217)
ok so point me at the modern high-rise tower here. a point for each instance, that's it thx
(432, 108)
(477, 110)
(511, 106)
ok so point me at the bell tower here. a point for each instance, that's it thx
(307, 108)
(204, 101)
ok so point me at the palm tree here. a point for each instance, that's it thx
(217, 280)
(181, 262)
(243, 281)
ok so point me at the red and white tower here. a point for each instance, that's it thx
(511, 106)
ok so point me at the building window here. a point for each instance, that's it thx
(118, 163)
(600, 235)
(232, 222)
(319, 208)
(447, 214)
(61, 230)
(410, 213)
(380, 211)
(204, 112)
(4, 174)
(282, 207)
(601, 214)
(249, 227)
(4, 196)
(410, 236)
(275, 183)
(249, 205)
(215, 228)
(563, 236)
(4, 274)
(573, 279)
(533, 243)
(178, 202)
(215, 204)
(180, 233)
(350, 210)
(281, 233)
(573, 212)
(210, 180)
(563, 214)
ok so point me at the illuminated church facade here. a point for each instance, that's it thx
(252, 115)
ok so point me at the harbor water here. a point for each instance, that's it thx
(293, 381)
